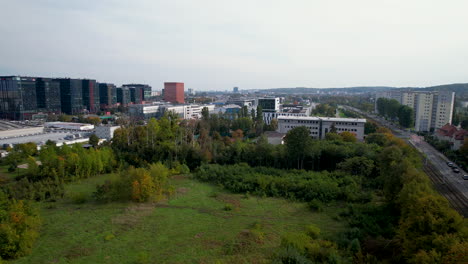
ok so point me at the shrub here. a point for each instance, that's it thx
(315, 205)
(228, 207)
(290, 255)
(79, 198)
(313, 231)
(355, 246)
(19, 227)
(138, 185)
(299, 241)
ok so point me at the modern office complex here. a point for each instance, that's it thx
(174, 92)
(320, 126)
(123, 96)
(273, 109)
(71, 95)
(107, 95)
(25, 98)
(17, 97)
(138, 92)
(90, 92)
(432, 109)
(48, 95)
(269, 104)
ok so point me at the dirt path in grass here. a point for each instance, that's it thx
(133, 215)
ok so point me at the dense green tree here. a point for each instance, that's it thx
(406, 116)
(94, 140)
(331, 136)
(205, 113)
(361, 166)
(377, 138)
(297, 142)
(348, 136)
(244, 123)
(370, 127)
(259, 116)
(388, 107)
(324, 110)
(19, 227)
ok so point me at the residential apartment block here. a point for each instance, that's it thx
(320, 126)
(432, 109)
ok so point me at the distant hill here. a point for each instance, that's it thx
(458, 88)
(461, 89)
(304, 90)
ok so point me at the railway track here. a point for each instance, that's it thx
(455, 198)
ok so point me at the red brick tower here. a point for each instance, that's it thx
(174, 92)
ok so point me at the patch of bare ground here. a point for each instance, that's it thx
(229, 199)
(179, 177)
(77, 252)
(133, 215)
(182, 190)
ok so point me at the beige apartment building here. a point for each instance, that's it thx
(432, 109)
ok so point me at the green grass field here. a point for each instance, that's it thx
(191, 227)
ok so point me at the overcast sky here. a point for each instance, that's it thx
(253, 44)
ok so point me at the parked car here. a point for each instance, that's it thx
(450, 164)
(465, 177)
(456, 170)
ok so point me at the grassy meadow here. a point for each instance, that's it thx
(201, 223)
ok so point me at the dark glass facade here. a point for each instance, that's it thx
(123, 95)
(90, 93)
(107, 95)
(71, 96)
(267, 104)
(48, 95)
(17, 97)
(138, 92)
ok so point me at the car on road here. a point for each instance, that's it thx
(450, 164)
(456, 170)
(465, 177)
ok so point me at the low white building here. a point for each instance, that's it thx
(189, 111)
(105, 132)
(69, 126)
(320, 126)
(157, 110)
(21, 132)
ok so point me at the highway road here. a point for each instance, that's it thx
(440, 162)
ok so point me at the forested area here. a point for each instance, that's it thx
(395, 213)
(391, 209)
(324, 110)
(393, 110)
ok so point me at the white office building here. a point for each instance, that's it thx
(320, 126)
(186, 111)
